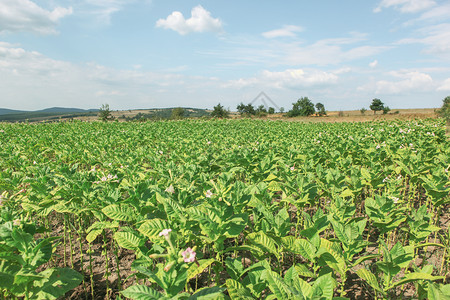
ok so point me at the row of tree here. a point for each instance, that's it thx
(303, 107)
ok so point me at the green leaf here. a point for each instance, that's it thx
(142, 292)
(152, 228)
(271, 177)
(195, 269)
(346, 193)
(208, 293)
(7, 273)
(263, 242)
(93, 234)
(410, 277)
(237, 291)
(55, 283)
(276, 284)
(122, 212)
(370, 278)
(127, 240)
(324, 287)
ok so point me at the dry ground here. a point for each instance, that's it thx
(332, 116)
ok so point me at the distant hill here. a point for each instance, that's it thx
(65, 110)
(53, 113)
(57, 113)
(5, 111)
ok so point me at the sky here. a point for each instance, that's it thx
(137, 54)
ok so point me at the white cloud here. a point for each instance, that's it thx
(286, 31)
(436, 40)
(445, 86)
(103, 9)
(25, 15)
(373, 64)
(440, 12)
(287, 79)
(200, 21)
(409, 81)
(252, 51)
(30, 80)
(406, 6)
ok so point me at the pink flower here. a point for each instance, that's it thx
(292, 168)
(165, 232)
(189, 255)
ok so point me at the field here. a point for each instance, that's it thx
(225, 209)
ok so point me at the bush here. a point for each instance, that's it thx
(303, 107)
(104, 113)
(177, 113)
(363, 111)
(219, 112)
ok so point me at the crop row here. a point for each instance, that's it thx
(230, 209)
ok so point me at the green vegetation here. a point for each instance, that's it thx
(225, 209)
(104, 113)
(376, 105)
(220, 112)
(303, 107)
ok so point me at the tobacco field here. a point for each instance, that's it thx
(225, 209)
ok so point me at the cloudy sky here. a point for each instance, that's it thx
(153, 53)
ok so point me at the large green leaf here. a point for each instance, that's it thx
(411, 277)
(123, 212)
(276, 284)
(127, 240)
(237, 291)
(263, 242)
(370, 278)
(195, 269)
(142, 292)
(152, 228)
(208, 293)
(55, 283)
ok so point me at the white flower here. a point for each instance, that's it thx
(165, 232)
(208, 194)
(170, 189)
(395, 199)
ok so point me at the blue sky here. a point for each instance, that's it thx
(151, 53)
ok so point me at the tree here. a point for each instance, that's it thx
(246, 109)
(271, 110)
(303, 107)
(321, 109)
(444, 112)
(177, 113)
(104, 113)
(261, 111)
(219, 112)
(376, 105)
